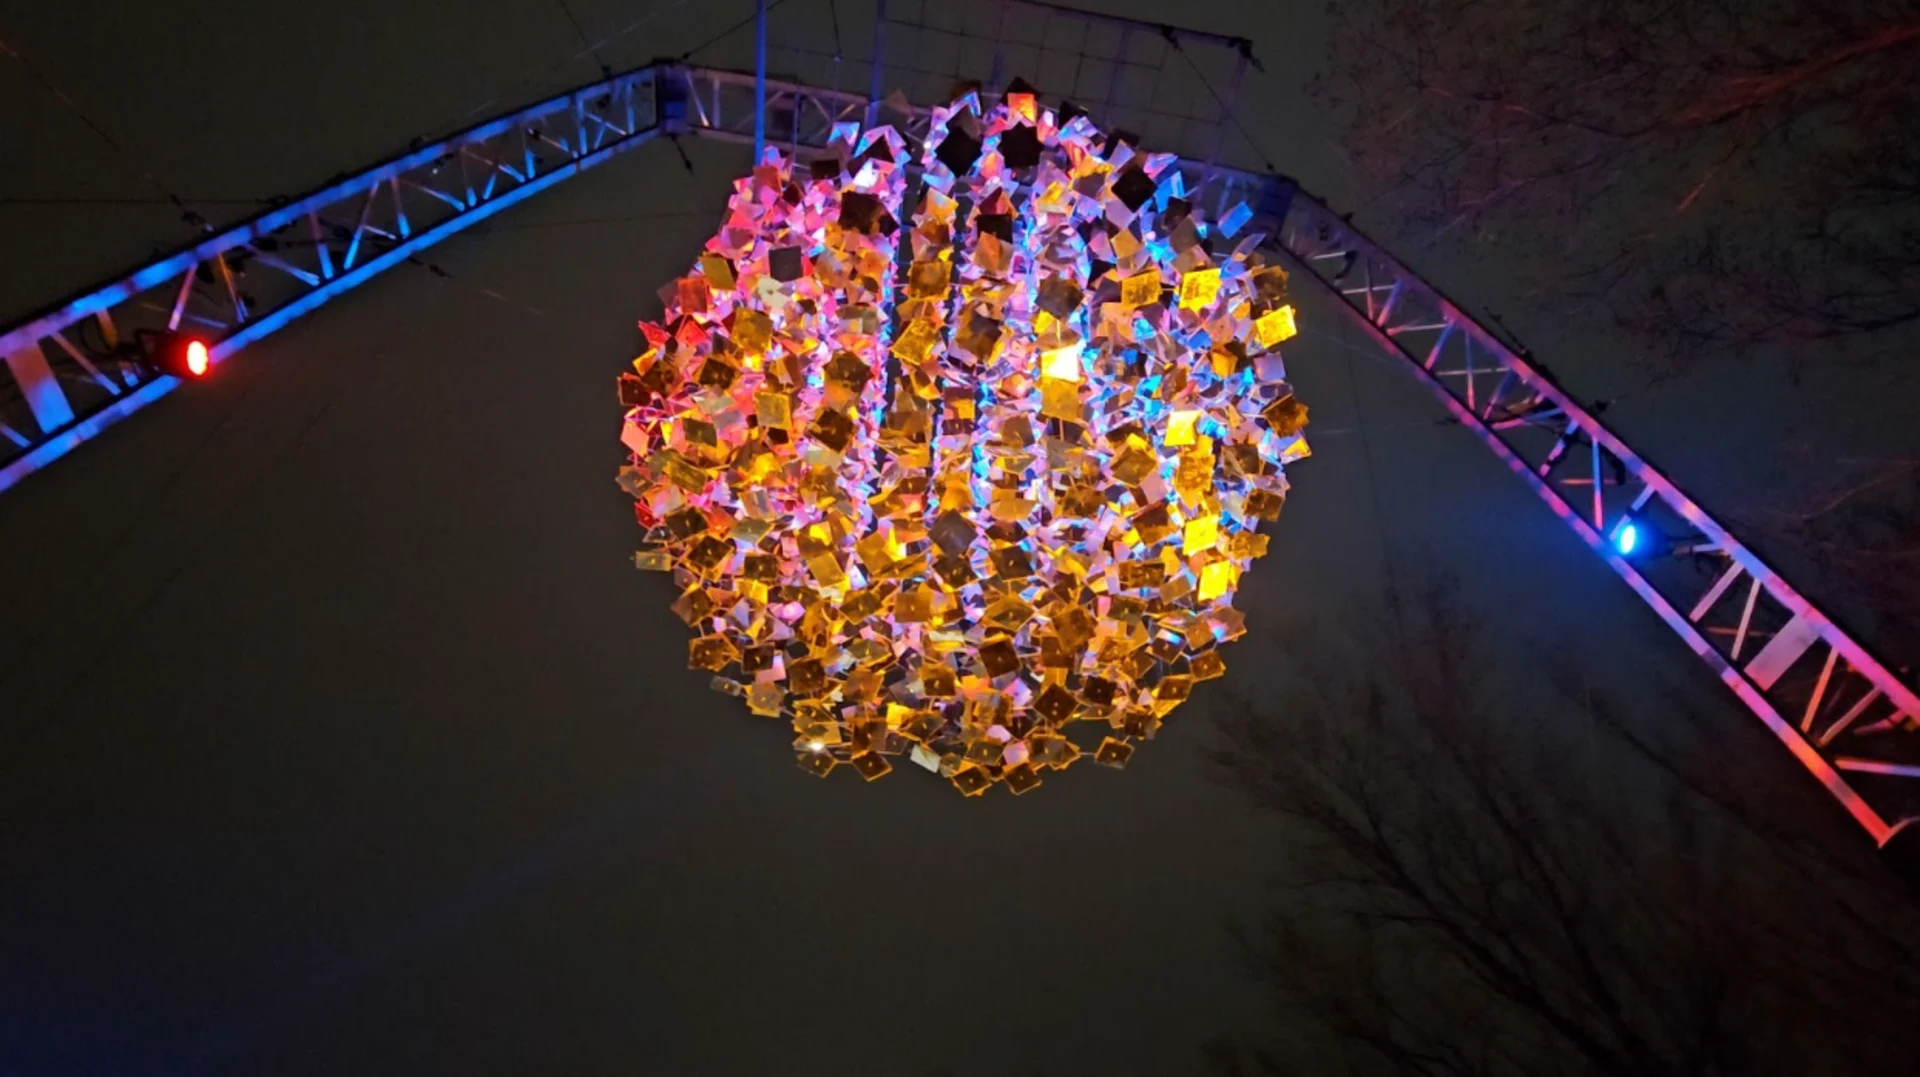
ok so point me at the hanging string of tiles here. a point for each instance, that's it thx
(971, 486)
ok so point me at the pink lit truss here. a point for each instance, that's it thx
(973, 485)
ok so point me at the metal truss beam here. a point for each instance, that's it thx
(1839, 711)
(251, 279)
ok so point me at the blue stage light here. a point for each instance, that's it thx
(1625, 538)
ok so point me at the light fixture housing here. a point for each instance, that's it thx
(185, 357)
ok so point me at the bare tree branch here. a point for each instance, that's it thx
(1735, 172)
(1488, 883)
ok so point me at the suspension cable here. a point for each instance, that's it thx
(46, 82)
(1225, 109)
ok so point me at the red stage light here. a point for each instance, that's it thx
(182, 356)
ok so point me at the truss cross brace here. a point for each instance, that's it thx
(1838, 711)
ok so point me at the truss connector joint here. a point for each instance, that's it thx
(673, 93)
(1900, 849)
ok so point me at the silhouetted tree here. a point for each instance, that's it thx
(1708, 175)
(1857, 534)
(1714, 172)
(1497, 876)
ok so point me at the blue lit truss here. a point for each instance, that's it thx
(244, 283)
(1840, 712)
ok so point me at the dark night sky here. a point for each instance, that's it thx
(340, 736)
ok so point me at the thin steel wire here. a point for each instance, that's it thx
(546, 72)
(728, 32)
(1042, 44)
(46, 82)
(1225, 109)
(592, 49)
(801, 50)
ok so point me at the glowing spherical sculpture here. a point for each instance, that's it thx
(973, 484)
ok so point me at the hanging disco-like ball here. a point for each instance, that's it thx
(962, 463)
